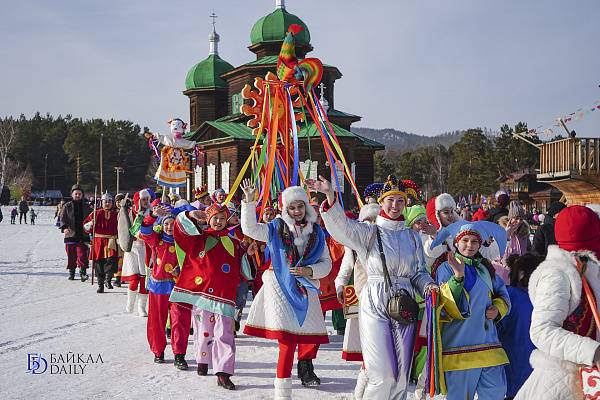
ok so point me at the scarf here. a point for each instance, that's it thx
(474, 268)
(283, 254)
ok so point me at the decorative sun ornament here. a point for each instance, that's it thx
(257, 95)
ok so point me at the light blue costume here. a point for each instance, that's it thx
(472, 355)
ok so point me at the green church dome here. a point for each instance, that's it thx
(273, 27)
(207, 73)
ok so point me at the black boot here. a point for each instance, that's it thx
(159, 359)
(83, 275)
(109, 285)
(180, 362)
(71, 274)
(100, 286)
(224, 381)
(306, 374)
(202, 369)
(118, 281)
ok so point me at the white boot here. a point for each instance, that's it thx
(283, 388)
(142, 300)
(131, 298)
(361, 384)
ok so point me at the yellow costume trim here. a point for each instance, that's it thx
(502, 307)
(471, 357)
(447, 302)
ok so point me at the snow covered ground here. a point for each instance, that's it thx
(43, 312)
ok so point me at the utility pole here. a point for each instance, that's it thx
(45, 174)
(78, 168)
(101, 165)
(119, 171)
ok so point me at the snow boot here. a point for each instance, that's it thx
(159, 359)
(283, 388)
(131, 298)
(224, 381)
(71, 274)
(361, 384)
(83, 275)
(142, 301)
(306, 374)
(202, 369)
(109, 284)
(118, 281)
(180, 362)
(100, 287)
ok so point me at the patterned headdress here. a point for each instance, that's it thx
(200, 192)
(391, 187)
(412, 189)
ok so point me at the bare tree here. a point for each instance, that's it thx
(7, 137)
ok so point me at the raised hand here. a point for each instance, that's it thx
(457, 266)
(198, 215)
(249, 190)
(322, 186)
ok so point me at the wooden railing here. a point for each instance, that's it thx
(564, 157)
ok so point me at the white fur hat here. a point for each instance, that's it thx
(145, 193)
(369, 212)
(444, 200)
(289, 195)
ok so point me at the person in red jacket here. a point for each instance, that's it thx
(103, 224)
(481, 214)
(212, 264)
(157, 233)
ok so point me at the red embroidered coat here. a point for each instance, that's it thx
(104, 243)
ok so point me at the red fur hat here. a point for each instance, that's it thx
(577, 228)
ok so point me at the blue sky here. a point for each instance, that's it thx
(421, 66)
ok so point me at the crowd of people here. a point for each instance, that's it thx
(516, 318)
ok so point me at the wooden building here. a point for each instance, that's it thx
(214, 88)
(525, 187)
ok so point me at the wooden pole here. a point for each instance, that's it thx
(101, 165)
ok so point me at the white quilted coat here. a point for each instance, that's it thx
(270, 309)
(555, 290)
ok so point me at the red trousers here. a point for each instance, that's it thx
(181, 319)
(77, 255)
(134, 280)
(286, 356)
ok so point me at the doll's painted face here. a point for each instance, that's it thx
(297, 210)
(177, 128)
(447, 216)
(168, 226)
(218, 221)
(393, 205)
(468, 245)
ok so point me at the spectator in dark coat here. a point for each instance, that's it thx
(13, 215)
(71, 219)
(501, 210)
(544, 236)
(23, 210)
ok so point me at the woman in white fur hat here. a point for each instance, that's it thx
(287, 307)
(387, 343)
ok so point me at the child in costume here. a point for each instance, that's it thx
(137, 260)
(212, 264)
(103, 225)
(563, 325)
(287, 306)
(472, 355)
(157, 233)
(353, 271)
(387, 344)
(513, 330)
(219, 196)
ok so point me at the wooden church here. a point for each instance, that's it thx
(214, 87)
